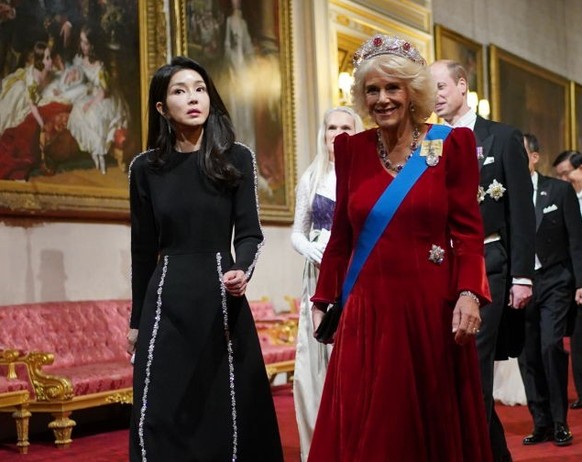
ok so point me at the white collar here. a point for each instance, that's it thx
(468, 120)
(534, 179)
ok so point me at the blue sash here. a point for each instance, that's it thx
(385, 208)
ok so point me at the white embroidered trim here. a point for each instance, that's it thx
(262, 243)
(150, 360)
(230, 358)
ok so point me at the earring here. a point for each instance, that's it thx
(169, 126)
(412, 108)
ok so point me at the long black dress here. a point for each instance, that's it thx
(200, 388)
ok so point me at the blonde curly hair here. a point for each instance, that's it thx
(417, 78)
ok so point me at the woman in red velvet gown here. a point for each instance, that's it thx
(403, 380)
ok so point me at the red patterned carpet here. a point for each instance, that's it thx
(110, 445)
(100, 444)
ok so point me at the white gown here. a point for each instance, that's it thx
(94, 127)
(312, 357)
(507, 383)
(238, 57)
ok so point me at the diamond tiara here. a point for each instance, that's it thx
(387, 45)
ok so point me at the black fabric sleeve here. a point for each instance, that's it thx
(144, 237)
(520, 211)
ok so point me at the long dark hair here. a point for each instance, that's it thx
(95, 39)
(218, 136)
(38, 55)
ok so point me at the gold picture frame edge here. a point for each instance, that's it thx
(355, 23)
(575, 100)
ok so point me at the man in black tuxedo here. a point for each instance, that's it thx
(558, 272)
(505, 193)
(565, 164)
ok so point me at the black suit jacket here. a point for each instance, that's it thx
(505, 161)
(507, 208)
(558, 226)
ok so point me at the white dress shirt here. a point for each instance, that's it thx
(534, 180)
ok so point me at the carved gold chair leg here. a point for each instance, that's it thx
(62, 427)
(22, 417)
(271, 373)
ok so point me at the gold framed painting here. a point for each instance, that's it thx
(451, 45)
(532, 99)
(247, 49)
(74, 78)
(576, 115)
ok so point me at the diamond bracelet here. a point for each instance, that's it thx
(470, 294)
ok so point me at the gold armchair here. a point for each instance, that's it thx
(14, 396)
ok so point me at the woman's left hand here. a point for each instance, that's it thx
(235, 282)
(466, 319)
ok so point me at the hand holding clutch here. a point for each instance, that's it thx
(325, 332)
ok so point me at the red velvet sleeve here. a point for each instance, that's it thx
(339, 248)
(465, 223)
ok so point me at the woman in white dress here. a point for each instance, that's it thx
(508, 385)
(98, 113)
(238, 54)
(314, 209)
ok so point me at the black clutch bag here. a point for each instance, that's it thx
(326, 330)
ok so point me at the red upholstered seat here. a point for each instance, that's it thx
(77, 333)
(12, 384)
(277, 353)
(96, 377)
(87, 338)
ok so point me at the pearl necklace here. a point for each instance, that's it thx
(384, 155)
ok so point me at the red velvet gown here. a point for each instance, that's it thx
(398, 387)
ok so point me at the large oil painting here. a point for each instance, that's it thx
(532, 99)
(71, 103)
(246, 46)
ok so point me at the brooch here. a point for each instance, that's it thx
(480, 194)
(479, 152)
(436, 254)
(432, 150)
(495, 190)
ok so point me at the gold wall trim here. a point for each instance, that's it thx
(402, 11)
(353, 24)
(153, 42)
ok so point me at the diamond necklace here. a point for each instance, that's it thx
(384, 155)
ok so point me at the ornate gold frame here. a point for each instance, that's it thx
(271, 210)
(532, 99)
(576, 115)
(352, 24)
(110, 203)
(451, 45)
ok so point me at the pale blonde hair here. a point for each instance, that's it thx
(320, 164)
(417, 78)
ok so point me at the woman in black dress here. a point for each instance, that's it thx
(201, 392)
